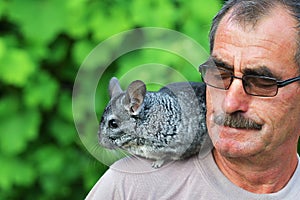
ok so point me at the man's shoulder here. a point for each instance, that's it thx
(137, 165)
(134, 178)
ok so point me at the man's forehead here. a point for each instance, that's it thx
(277, 30)
(278, 19)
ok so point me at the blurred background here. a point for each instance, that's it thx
(42, 47)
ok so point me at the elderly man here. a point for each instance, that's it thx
(253, 115)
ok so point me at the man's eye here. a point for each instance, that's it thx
(263, 82)
(225, 75)
(221, 74)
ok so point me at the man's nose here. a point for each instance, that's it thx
(236, 99)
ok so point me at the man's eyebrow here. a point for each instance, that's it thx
(221, 64)
(257, 71)
(260, 71)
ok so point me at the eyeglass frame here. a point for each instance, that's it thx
(279, 84)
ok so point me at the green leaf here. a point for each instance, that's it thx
(18, 130)
(77, 15)
(65, 107)
(41, 91)
(59, 50)
(8, 105)
(105, 23)
(16, 66)
(6, 173)
(15, 172)
(153, 13)
(49, 159)
(2, 48)
(38, 51)
(81, 50)
(3, 5)
(40, 21)
(206, 11)
(63, 132)
(25, 174)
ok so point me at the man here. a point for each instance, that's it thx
(253, 115)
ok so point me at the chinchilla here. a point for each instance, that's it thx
(169, 124)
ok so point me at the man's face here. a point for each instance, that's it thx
(270, 46)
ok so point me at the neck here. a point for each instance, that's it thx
(258, 174)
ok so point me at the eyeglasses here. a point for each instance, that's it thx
(253, 85)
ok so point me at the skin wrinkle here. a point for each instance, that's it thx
(250, 22)
(257, 160)
(254, 27)
(260, 55)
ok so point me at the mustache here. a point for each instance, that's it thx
(237, 120)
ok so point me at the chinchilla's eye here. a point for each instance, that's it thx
(113, 123)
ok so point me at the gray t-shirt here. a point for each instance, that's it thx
(195, 178)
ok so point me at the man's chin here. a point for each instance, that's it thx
(235, 149)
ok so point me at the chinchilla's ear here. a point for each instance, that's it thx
(134, 98)
(114, 87)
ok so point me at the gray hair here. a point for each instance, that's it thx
(249, 12)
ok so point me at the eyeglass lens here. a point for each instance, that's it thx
(253, 85)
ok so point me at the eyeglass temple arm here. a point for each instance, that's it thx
(288, 81)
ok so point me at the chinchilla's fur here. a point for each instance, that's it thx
(166, 125)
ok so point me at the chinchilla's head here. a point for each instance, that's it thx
(119, 120)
